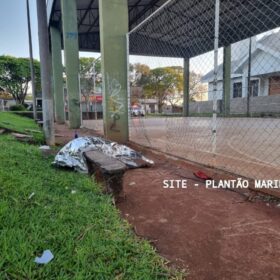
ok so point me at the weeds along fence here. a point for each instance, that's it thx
(207, 75)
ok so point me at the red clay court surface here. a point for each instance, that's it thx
(214, 234)
(246, 146)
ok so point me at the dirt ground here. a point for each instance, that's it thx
(214, 234)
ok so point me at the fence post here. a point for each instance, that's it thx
(186, 97)
(33, 84)
(249, 78)
(226, 80)
(216, 50)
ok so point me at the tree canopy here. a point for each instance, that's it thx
(164, 84)
(15, 76)
(87, 73)
(87, 67)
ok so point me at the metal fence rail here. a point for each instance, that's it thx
(207, 74)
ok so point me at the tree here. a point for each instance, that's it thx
(90, 72)
(86, 65)
(138, 78)
(141, 74)
(15, 76)
(197, 88)
(163, 82)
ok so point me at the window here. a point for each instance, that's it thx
(237, 90)
(254, 88)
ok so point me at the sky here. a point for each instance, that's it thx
(14, 35)
(14, 32)
(14, 38)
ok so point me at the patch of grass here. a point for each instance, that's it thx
(21, 124)
(83, 230)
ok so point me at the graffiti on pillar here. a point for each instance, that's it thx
(72, 35)
(115, 101)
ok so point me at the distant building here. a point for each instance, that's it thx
(265, 69)
(6, 100)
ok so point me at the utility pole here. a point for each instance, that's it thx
(45, 62)
(33, 85)
(94, 88)
(249, 77)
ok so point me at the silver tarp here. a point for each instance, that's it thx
(71, 155)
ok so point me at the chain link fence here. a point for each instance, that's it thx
(205, 84)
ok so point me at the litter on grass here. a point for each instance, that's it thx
(46, 257)
(71, 155)
(31, 196)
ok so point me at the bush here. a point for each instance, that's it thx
(17, 107)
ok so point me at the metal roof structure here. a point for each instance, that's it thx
(183, 28)
(88, 18)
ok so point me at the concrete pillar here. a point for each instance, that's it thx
(71, 58)
(113, 28)
(45, 66)
(57, 70)
(186, 97)
(227, 80)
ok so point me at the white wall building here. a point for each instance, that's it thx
(265, 69)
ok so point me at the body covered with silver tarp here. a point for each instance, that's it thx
(71, 155)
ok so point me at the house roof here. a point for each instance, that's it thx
(209, 77)
(266, 43)
(271, 41)
(184, 28)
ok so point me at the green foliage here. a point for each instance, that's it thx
(86, 65)
(163, 82)
(83, 230)
(90, 72)
(15, 123)
(15, 76)
(141, 77)
(17, 107)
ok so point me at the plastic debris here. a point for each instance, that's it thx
(71, 155)
(132, 184)
(31, 196)
(44, 148)
(202, 175)
(46, 257)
